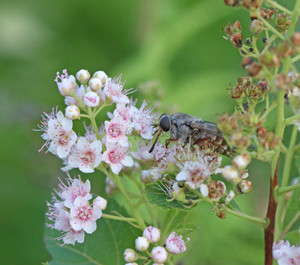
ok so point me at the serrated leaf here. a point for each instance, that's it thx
(104, 247)
(159, 197)
(293, 209)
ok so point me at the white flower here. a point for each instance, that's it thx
(195, 172)
(286, 254)
(83, 216)
(95, 84)
(204, 190)
(241, 161)
(91, 99)
(86, 155)
(100, 202)
(245, 186)
(230, 173)
(150, 175)
(175, 244)
(72, 236)
(67, 84)
(101, 75)
(142, 243)
(229, 197)
(152, 233)
(130, 255)
(116, 156)
(72, 112)
(58, 134)
(159, 254)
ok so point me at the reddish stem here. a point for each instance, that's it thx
(269, 231)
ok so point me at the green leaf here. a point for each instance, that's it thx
(104, 247)
(234, 206)
(293, 237)
(158, 196)
(292, 210)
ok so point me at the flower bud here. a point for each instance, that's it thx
(142, 243)
(67, 85)
(204, 190)
(83, 76)
(256, 27)
(100, 202)
(237, 39)
(152, 233)
(131, 263)
(296, 38)
(72, 112)
(229, 197)
(241, 161)
(91, 99)
(95, 84)
(159, 254)
(175, 244)
(230, 173)
(245, 186)
(130, 255)
(101, 75)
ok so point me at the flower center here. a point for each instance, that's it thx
(88, 157)
(114, 131)
(84, 213)
(115, 157)
(63, 138)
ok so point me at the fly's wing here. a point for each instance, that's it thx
(208, 127)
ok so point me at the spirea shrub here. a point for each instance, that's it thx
(151, 163)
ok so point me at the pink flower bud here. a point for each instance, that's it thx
(152, 233)
(100, 202)
(95, 84)
(130, 255)
(83, 76)
(142, 243)
(159, 254)
(72, 112)
(175, 244)
(91, 99)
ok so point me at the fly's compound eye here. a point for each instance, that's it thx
(164, 122)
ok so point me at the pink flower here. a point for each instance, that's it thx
(143, 151)
(116, 156)
(152, 233)
(113, 90)
(86, 155)
(116, 131)
(195, 172)
(126, 112)
(144, 120)
(83, 216)
(58, 133)
(286, 254)
(175, 244)
(159, 254)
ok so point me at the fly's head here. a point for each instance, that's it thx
(164, 124)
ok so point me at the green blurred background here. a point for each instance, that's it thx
(176, 43)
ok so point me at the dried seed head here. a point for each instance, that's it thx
(231, 2)
(256, 27)
(253, 68)
(221, 214)
(282, 21)
(237, 40)
(251, 4)
(296, 38)
(216, 189)
(267, 13)
(269, 59)
(283, 82)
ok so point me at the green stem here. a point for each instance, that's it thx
(119, 218)
(296, 58)
(291, 119)
(101, 108)
(273, 105)
(269, 43)
(259, 221)
(285, 178)
(254, 46)
(278, 6)
(94, 124)
(269, 26)
(294, 19)
(283, 190)
(289, 225)
(119, 185)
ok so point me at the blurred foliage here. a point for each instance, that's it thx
(177, 43)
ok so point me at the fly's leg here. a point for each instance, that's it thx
(189, 139)
(170, 140)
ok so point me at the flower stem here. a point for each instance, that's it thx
(101, 108)
(278, 6)
(296, 58)
(269, 26)
(119, 218)
(283, 190)
(94, 124)
(291, 119)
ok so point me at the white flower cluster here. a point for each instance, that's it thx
(108, 143)
(71, 211)
(174, 245)
(285, 254)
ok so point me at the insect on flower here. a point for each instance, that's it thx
(186, 129)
